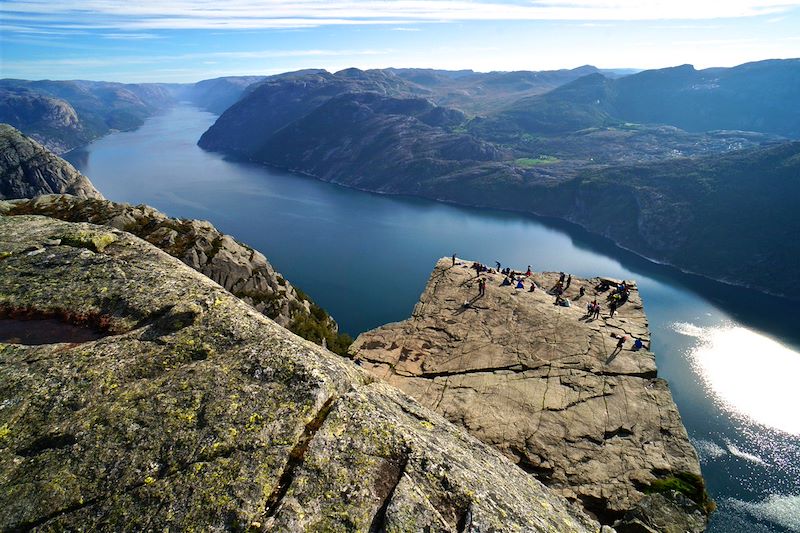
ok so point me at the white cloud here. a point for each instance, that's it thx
(244, 14)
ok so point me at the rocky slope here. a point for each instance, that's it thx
(546, 386)
(197, 413)
(377, 142)
(27, 169)
(244, 272)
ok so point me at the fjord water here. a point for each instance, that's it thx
(732, 356)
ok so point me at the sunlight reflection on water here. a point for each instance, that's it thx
(749, 373)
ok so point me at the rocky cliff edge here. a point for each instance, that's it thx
(546, 385)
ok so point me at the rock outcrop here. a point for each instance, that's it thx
(240, 269)
(28, 169)
(195, 412)
(544, 384)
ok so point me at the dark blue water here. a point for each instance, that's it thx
(731, 356)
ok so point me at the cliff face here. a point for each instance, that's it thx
(27, 169)
(238, 268)
(546, 385)
(197, 413)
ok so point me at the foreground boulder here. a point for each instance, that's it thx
(195, 412)
(28, 169)
(545, 385)
(242, 270)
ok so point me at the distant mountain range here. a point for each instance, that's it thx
(63, 115)
(663, 162)
(691, 167)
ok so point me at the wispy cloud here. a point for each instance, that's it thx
(248, 14)
(159, 59)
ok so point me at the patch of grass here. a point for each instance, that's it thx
(530, 162)
(95, 242)
(690, 485)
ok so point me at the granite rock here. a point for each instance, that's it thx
(543, 383)
(195, 412)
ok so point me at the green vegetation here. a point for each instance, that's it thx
(314, 327)
(529, 162)
(690, 485)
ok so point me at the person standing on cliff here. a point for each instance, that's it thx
(481, 287)
(569, 281)
(612, 307)
(454, 259)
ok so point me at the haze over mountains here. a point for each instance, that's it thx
(643, 159)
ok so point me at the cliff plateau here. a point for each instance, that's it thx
(547, 386)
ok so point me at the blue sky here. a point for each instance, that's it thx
(189, 40)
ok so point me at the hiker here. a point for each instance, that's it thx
(528, 273)
(637, 344)
(561, 277)
(596, 310)
(612, 307)
(621, 342)
(520, 284)
(454, 259)
(498, 265)
(582, 292)
(506, 282)
(533, 286)
(569, 280)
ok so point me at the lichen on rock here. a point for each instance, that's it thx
(243, 271)
(198, 413)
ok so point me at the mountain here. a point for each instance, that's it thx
(277, 101)
(480, 93)
(62, 115)
(376, 141)
(218, 94)
(760, 97)
(27, 169)
(569, 153)
(195, 413)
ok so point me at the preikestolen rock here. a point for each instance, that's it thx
(195, 412)
(543, 383)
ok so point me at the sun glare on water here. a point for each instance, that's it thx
(748, 373)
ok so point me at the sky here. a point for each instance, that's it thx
(190, 40)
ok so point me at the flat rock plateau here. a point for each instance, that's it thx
(546, 385)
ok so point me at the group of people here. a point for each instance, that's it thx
(511, 278)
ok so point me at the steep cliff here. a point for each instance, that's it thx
(238, 268)
(27, 169)
(194, 412)
(547, 386)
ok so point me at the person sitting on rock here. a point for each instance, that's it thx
(520, 284)
(533, 286)
(637, 344)
(506, 282)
